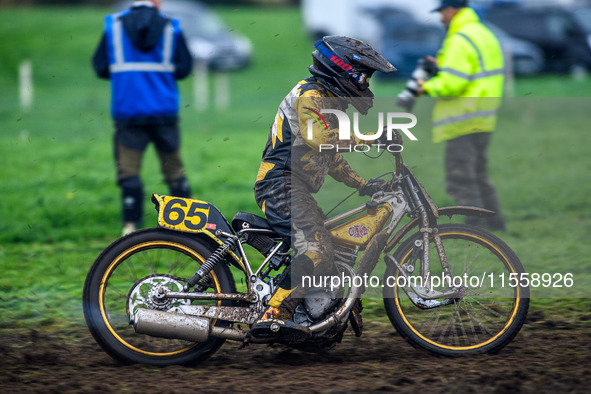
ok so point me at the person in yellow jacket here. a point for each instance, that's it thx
(469, 84)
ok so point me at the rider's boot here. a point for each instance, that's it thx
(277, 324)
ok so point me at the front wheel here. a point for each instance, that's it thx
(124, 278)
(491, 309)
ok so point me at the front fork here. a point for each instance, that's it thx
(427, 230)
(423, 295)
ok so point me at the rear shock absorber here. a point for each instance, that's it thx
(212, 260)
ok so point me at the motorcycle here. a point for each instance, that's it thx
(168, 295)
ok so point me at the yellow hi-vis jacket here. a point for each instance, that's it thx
(470, 78)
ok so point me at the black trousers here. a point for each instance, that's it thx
(294, 214)
(130, 143)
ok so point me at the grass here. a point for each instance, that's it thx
(60, 204)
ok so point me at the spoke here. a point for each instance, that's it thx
(465, 260)
(472, 328)
(492, 311)
(155, 261)
(477, 253)
(132, 274)
(437, 315)
(480, 323)
(453, 328)
(482, 317)
(456, 308)
(441, 335)
(180, 265)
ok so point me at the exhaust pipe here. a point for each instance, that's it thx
(171, 325)
(175, 325)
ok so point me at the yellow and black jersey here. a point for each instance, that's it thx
(293, 146)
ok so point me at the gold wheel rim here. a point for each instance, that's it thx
(116, 262)
(490, 340)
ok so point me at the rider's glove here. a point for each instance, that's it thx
(383, 139)
(371, 187)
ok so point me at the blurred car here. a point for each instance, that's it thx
(525, 57)
(564, 35)
(209, 39)
(405, 41)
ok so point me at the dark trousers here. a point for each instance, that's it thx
(130, 144)
(294, 214)
(467, 178)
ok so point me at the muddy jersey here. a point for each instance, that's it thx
(293, 146)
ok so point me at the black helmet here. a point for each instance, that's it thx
(344, 65)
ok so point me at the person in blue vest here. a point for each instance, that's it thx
(143, 53)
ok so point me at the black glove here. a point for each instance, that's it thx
(371, 187)
(383, 139)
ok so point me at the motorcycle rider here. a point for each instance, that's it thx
(293, 168)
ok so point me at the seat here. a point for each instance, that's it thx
(253, 221)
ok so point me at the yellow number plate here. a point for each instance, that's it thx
(182, 214)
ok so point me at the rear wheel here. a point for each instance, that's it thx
(488, 314)
(125, 277)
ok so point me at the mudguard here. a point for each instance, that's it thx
(422, 192)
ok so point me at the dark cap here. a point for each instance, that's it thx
(451, 3)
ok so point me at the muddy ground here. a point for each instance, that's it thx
(548, 355)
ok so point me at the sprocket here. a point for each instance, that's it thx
(149, 291)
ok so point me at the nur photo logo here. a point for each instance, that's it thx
(378, 139)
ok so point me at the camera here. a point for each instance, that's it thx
(425, 69)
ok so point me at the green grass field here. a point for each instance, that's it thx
(60, 204)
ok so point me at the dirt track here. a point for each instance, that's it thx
(547, 356)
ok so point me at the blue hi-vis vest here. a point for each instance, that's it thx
(143, 83)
